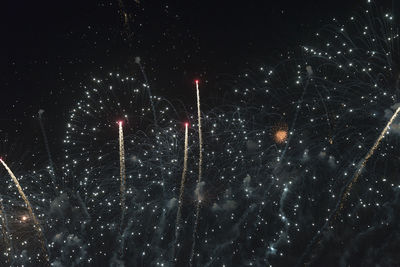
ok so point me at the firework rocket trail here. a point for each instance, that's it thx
(182, 189)
(346, 192)
(198, 203)
(122, 171)
(30, 211)
(364, 162)
(46, 143)
(6, 235)
(200, 133)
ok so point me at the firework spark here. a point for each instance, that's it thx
(280, 133)
(280, 136)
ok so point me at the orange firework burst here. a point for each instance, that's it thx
(280, 133)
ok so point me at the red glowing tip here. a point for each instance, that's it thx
(196, 81)
(186, 124)
(119, 122)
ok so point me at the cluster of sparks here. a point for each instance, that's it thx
(265, 178)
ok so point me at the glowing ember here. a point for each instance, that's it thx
(280, 136)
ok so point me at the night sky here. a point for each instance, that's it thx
(50, 48)
(294, 95)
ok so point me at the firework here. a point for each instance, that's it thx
(198, 200)
(348, 188)
(37, 226)
(255, 210)
(280, 133)
(95, 175)
(122, 171)
(182, 188)
(200, 133)
(365, 160)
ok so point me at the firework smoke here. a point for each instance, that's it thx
(284, 233)
(198, 201)
(30, 210)
(182, 189)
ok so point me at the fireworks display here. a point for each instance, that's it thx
(295, 165)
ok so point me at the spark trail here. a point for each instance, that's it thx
(122, 171)
(198, 202)
(37, 226)
(182, 189)
(346, 192)
(364, 162)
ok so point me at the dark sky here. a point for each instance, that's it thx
(50, 48)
